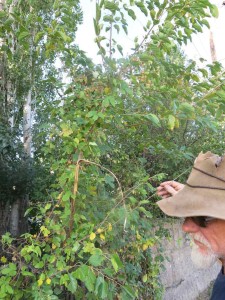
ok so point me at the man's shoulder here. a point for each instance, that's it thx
(218, 292)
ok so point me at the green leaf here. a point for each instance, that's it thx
(113, 7)
(65, 37)
(97, 27)
(99, 281)
(96, 259)
(214, 11)
(117, 28)
(143, 202)
(206, 23)
(28, 211)
(64, 279)
(109, 19)
(9, 270)
(86, 275)
(72, 286)
(131, 13)
(109, 100)
(154, 119)
(116, 262)
(23, 35)
(92, 114)
(141, 6)
(47, 206)
(39, 265)
(2, 14)
(101, 288)
(146, 212)
(26, 273)
(102, 3)
(187, 109)
(128, 292)
(120, 49)
(125, 29)
(98, 12)
(195, 77)
(145, 57)
(109, 180)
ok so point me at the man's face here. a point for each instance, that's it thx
(208, 242)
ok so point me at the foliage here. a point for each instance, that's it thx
(96, 232)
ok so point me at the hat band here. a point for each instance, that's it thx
(216, 177)
(205, 187)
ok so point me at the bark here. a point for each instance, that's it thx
(212, 47)
(27, 122)
(12, 212)
(4, 217)
(2, 3)
(14, 218)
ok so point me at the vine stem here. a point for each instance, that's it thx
(118, 182)
(72, 199)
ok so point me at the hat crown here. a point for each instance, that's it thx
(208, 168)
(204, 193)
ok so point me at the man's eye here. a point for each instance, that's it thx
(209, 219)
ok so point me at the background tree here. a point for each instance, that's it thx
(33, 36)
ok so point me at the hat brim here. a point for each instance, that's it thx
(190, 202)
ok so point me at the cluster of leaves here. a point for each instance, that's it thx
(96, 233)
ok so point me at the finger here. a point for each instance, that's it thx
(170, 182)
(163, 192)
(170, 189)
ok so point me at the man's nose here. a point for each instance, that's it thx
(190, 226)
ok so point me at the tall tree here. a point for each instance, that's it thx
(33, 35)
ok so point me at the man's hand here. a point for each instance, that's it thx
(169, 188)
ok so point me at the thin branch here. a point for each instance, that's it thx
(120, 187)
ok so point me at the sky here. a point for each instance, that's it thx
(199, 47)
(200, 43)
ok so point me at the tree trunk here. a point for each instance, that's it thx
(27, 120)
(212, 47)
(12, 212)
(4, 217)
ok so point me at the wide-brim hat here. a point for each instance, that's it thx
(204, 192)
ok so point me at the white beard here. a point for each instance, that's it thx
(202, 260)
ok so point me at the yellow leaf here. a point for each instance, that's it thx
(145, 278)
(3, 259)
(177, 123)
(138, 235)
(67, 132)
(100, 230)
(48, 281)
(171, 122)
(53, 246)
(40, 282)
(102, 237)
(110, 227)
(92, 236)
(145, 247)
(45, 231)
(107, 90)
